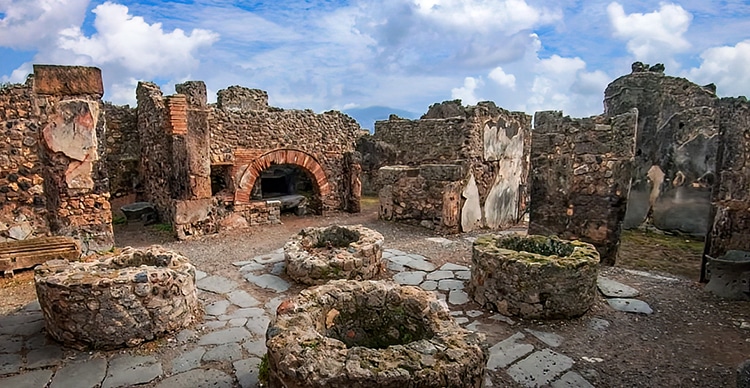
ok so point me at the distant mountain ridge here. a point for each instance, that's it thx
(367, 116)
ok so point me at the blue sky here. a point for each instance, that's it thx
(526, 55)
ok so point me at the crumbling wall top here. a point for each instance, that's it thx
(68, 80)
(239, 98)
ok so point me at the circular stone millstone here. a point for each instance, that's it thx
(534, 276)
(123, 300)
(317, 255)
(350, 333)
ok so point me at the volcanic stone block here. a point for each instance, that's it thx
(68, 80)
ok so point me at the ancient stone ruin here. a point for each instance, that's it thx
(317, 255)
(371, 334)
(533, 276)
(53, 179)
(124, 300)
(454, 170)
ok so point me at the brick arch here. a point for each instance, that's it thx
(254, 168)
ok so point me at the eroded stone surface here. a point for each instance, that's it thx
(325, 337)
(135, 296)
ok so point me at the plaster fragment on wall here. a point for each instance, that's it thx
(471, 212)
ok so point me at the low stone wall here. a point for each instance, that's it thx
(533, 276)
(124, 300)
(371, 334)
(317, 255)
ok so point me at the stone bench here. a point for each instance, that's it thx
(29, 253)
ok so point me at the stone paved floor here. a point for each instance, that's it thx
(225, 351)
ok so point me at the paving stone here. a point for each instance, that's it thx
(550, 339)
(409, 278)
(242, 298)
(456, 313)
(258, 325)
(237, 322)
(651, 275)
(198, 378)
(507, 351)
(396, 252)
(571, 380)
(217, 308)
(246, 372)
(461, 320)
(212, 325)
(84, 374)
(474, 326)
(420, 264)
(250, 312)
(270, 258)
(30, 328)
(226, 352)
(395, 267)
(46, 356)
(126, 371)
(34, 379)
(474, 313)
(458, 297)
(463, 275)
(10, 363)
(598, 324)
(440, 240)
(503, 318)
(453, 267)
(400, 259)
(252, 267)
(630, 305)
(387, 254)
(450, 284)
(429, 285)
(36, 341)
(221, 337)
(200, 275)
(274, 303)
(540, 368)
(33, 306)
(184, 336)
(217, 284)
(439, 275)
(268, 281)
(256, 347)
(242, 263)
(188, 360)
(278, 268)
(613, 289)
(8, 323)
(10, 343)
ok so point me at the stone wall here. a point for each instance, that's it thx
(729, 228)
(123, 154)
(489, 144)
(580, 175)
(675, 160)
(55, 175)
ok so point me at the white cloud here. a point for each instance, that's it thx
(509, 16)
(727, 67)
(29, 24)
(501, 78)
(129, 42)
(655, 36)
(466, 93)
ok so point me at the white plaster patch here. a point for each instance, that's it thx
(471, 212)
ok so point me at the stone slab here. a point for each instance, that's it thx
(420, 264)
(450, 284)
(503, 318)
(458, 297)
(409, 278)
(198, 378)
(33, 379)
(453, 267)
(200, 275)
(258, 325)
(270, 258)
(246, 372)
(45, 356)
(217, 284)
(188, 360)
(429, 285)
(10, 363)
(268, 281)
(540, 368)
(252, 267)
(440, 275)
(257, 347)
(507, 351)
(463, 275)
(10, 344)
(598, 324)
(614, 289)
(217, 308)
(242, 298)
(550, 339)
(250, 312)
(630, 305)
(571, 380)
(440, 240)
(126, 371)
(221, 337)
(85, 374)
(651, 275)
(227, 352)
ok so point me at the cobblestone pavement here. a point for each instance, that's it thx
(226, 349)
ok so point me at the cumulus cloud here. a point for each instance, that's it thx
(501, 78)
(466, 93)
(654, 36)
(143, 49)
(509, 16)
(726, 66)
(29, 24)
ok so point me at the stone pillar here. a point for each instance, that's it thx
(75, 174)
(729, 225)
(581, 172)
